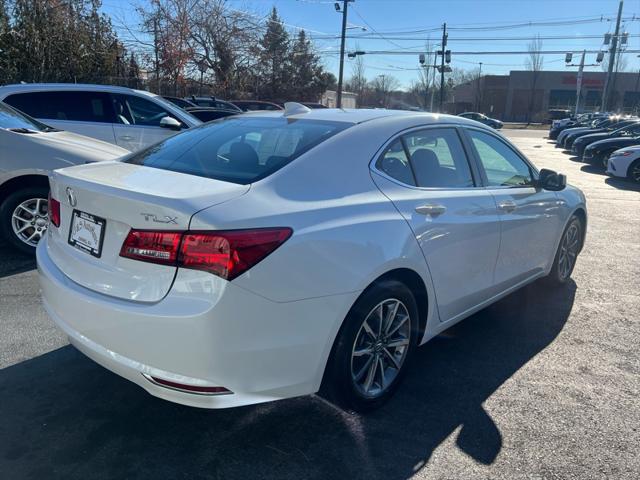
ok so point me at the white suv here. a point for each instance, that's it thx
(132, 119)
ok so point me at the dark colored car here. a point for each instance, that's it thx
(603, 127)
(582, 120)
(479, 117)
(179, 102)
(212, 102)
(557, 114)
(598, 153)
(207, 114)
(581, 143)
(255, 105)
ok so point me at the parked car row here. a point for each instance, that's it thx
(610, 142)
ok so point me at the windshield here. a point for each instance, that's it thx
(628, 129)
(238, 149)
(12, 119)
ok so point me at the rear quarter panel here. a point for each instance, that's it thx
(346, 232)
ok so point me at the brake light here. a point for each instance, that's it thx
(226, 254)
(154, 247)
(53, 206)
(229, 254)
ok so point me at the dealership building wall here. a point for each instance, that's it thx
(508, 96)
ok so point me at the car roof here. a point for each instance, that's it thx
(355, 115)
(35, 87)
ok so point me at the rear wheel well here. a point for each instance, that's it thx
(582, 216)
(414, 282)
(24, 181)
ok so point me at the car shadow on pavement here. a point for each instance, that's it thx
(622, 184)
(13, 261)
(64, 416)
(593, 169)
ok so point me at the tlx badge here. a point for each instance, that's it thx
(150, 217)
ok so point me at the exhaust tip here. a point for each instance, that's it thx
(188, 388)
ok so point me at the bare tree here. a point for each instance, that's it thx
(534, 63)
(226, 40)
(383, 86)
(357, 83)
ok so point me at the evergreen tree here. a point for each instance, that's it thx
(274, 59)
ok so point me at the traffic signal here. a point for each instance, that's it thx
(422, 58)
(600, 57)
(447, 56)
(568, 57)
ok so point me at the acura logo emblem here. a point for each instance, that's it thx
(72, 197)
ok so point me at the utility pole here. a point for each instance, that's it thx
(478, 96)
(444, 46)
(612, 60)
(345, 3)
(433, 81)
(579, 82)
(581, 66)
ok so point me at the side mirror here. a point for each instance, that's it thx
(550, 180)
(171, 123)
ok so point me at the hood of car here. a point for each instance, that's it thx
(592, 137)
(614, 143)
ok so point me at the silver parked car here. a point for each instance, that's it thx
(29, 150)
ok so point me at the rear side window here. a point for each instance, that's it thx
(438, 159)
(76, 106)
(395, 163)
(238, 149)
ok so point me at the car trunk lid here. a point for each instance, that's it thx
(103, 202)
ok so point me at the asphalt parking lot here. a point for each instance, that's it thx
(542, 385)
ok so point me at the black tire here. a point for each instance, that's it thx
(633, 172)
(339, 386)
(559, 275)
(6, 211)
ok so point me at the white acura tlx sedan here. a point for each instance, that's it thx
(277, 254)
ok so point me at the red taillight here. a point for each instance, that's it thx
(226, 254)
(53, 206)
(229, 253)
(154, 247)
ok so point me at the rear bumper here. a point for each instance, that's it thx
(205, 332)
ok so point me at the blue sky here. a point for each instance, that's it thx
(471, 22)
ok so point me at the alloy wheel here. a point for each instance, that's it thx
(569, 247)
(635, 172)
(380, 348)
(30, 219)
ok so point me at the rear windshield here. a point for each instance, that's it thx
(237, 149)
(15, 120)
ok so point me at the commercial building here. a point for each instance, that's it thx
(509, 97)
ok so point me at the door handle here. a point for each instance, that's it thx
(431, 209)
(507, 206)
(126, 138)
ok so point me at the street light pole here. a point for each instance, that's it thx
(612, 60)
(345, 3)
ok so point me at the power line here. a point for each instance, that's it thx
(513, 52)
